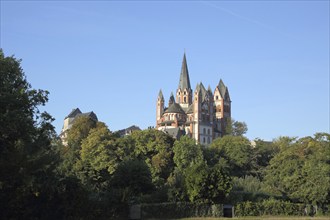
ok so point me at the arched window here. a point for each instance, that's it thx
(208, 131)
(203, 139)
(185, 99)
(204, 131)
(208, 140)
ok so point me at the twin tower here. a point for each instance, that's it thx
(200, 114)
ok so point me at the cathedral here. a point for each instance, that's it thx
(201, 114)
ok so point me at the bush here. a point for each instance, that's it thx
(180, 210)
(269, 207)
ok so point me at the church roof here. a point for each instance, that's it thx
(200, 88)
(184, 82)
(175, 132)
(190, 109)
(174, 108)
(172, 97)
(223, 89)
(160, 95)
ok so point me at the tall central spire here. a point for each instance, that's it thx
(184, 76)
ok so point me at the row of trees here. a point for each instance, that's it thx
(99, 173)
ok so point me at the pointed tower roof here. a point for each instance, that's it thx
(172, 97)
(222, 88)
(201, 89)
(160, 95)
(184, 82)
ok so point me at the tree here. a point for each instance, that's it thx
(71, 154)
(187, 152)
(301, 170)
(133, 179)
(156, 149)
(262, 153)
(27, 158)
(98, 160)
(237, 151)
(235, 128)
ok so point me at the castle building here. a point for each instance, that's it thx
(200, 114)
(69, 120)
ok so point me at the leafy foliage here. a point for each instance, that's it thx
(301, 170)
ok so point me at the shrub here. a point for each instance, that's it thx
(269, 207)
(181, 210)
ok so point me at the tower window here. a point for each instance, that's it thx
(216, 97)
(185, 99)
(184, 93)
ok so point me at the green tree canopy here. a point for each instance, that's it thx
(235, 128)
(237, 151)
(301, 170)
(27, 159)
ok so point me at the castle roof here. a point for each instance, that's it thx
(91, 114)
(174, 108)
(74, 113)
(184, 82)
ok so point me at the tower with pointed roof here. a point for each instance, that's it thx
(200, 114)
(184, 92)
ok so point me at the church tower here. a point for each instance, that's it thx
(200, 114)
(222, 105)
(160, 106)
(184, 92)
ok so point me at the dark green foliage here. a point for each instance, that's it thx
(181, 210)
(132, 179)
(237, 151)
(269, 207)
(235, 128)
(301, 170)
(27, 158)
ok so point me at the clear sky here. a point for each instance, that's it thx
(113, 57)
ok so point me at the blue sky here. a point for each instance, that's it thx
(112, 57)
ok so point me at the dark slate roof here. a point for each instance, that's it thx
(184, 82)
(201, 89)
(174, 108)
(128, 130)
(160, 95)
(222, 88)
(74, 113)
(175, 132)
(90, 114)
(190, 109)
(172, 98)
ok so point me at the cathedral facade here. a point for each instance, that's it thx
(201, 114)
